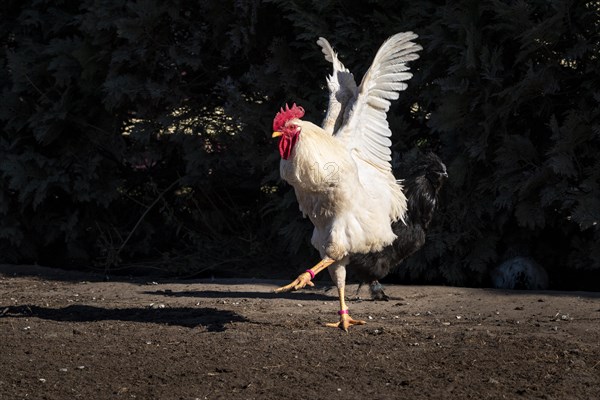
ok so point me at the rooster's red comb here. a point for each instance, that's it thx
(285, 115)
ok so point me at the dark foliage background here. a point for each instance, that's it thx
(137, 133)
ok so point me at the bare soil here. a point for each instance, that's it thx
(67, 335)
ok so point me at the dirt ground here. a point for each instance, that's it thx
(68, 335)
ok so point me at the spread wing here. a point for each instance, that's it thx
(366, 131)
(342, 89)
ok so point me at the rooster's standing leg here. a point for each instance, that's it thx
(305, 278)
(338, 274)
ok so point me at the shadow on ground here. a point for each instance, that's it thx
(212, 319)
(220, 294)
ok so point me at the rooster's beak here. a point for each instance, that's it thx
(276, 134)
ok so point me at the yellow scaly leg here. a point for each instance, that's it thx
(345, 319)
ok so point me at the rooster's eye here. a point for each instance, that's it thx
(292, 128)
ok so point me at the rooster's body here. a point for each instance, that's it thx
(341, 172)
(349, 204)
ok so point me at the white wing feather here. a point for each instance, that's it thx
(366, 132)
(342, 89)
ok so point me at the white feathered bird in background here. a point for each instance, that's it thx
(341, 172)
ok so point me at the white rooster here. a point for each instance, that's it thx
(341, 173)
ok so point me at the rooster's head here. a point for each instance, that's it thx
(284, 127)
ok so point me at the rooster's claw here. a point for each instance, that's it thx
(301, 281)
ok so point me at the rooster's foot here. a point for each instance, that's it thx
(301, 281)
(345, 322)
(305, 278)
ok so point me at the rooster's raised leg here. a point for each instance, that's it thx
(305, 278)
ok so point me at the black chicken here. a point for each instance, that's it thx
(422, 185)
